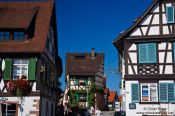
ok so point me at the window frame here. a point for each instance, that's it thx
(18, 35)
(12, 34)
(21, 66)
(4, 35)
(149, 92)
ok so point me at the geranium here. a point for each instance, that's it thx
(19, 87)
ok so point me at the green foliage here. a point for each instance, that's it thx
(90, 95)
(72, 101)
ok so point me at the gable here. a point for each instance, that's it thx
(155, 22)
(152, 23)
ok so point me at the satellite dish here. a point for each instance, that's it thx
(3, 65)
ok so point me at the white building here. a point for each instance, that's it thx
(147, 62)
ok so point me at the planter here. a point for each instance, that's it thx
(20, 87)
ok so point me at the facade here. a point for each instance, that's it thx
(146, 60)
(29, 63)
(113, 102)
(85, 79)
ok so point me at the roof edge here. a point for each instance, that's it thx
(117, 41)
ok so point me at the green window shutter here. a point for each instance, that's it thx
(8, 69)
(147, 53)
(151, 53)
(86, 82)
(170, 14)
(135, 93)
(32, 69)
(171, 92)
(142, 53)
(76, 81)
(77, 97)
(163, 97)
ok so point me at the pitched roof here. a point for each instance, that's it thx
(112, 95)
(118, 42)
(83, 63)
(16, 17)
(19, 15)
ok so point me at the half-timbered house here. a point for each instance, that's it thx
(84, 72)
(29, 63)
(147, 62)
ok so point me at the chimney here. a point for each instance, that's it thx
(93, 53)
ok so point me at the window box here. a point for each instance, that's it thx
(20, 87)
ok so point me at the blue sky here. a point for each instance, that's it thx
(86, 24)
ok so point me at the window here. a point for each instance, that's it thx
(166, 92)
(18, 36)
(149, 92)
(147, 53)
(20, 67)
(8, 109)
(170, 14)
(4, 35)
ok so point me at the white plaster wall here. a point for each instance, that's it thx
(34, 86)
(160, 69)
(136, 32)
(154, 30)
(161, 57)
(156, 9)
(144, 30)
(133, 47)
(162, 46)
(147, 20)
(169, 57)
(165, 30)
(130, 71)
(168, 69)
(156, 19)
(1, 84)
(145, 108)
(133, 57)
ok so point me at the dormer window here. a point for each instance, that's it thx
(170, 14)
(12, 35)
(4, 35)
(18, 36)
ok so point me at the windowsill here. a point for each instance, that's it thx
(156, 103)
(149, 102)
(12, 40)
